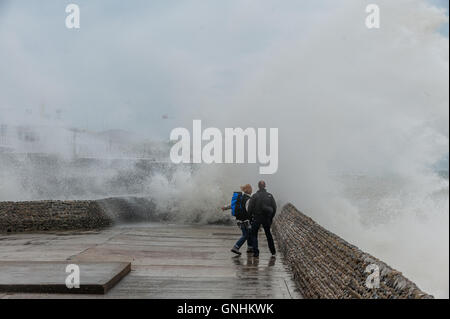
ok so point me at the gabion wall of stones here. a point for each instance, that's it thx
(51, 215)
(326, 266)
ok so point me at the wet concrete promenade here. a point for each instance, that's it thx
(167, 261)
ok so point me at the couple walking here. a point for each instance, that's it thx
(252, 212)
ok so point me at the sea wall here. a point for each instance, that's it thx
(323, 264)
(51, 215)
(326, 266)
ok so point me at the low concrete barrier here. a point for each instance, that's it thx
(326, 266)
(51, 215)
(76, 214)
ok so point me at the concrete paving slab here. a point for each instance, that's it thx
(50, 277)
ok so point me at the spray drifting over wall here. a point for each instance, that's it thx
(363, 119)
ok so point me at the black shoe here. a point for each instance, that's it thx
(249, 250)
(235, 250)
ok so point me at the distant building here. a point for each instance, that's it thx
(22, 132)
(77, 143)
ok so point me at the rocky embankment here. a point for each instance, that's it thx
(326, 266)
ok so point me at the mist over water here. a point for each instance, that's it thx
(362, 118)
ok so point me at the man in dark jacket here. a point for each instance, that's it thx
(263, 208)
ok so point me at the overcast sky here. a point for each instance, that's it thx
(134, 61)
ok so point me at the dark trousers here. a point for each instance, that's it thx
(246, 235)
(266, 226)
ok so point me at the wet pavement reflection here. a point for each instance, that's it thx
(168, 261)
